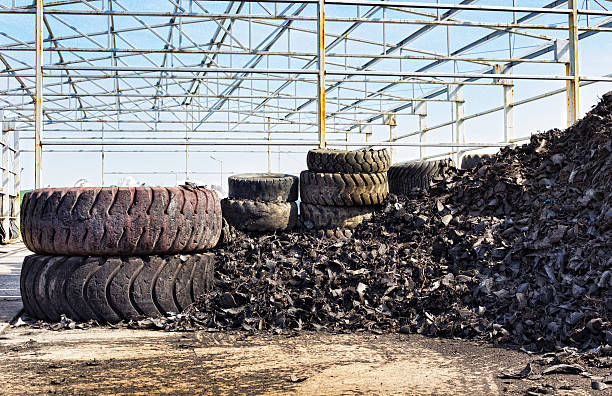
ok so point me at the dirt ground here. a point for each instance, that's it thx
(121, 361)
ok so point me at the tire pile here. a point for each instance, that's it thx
(341, 189)
(117, 253)
(261, 202)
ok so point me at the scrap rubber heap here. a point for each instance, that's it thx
(516, 250)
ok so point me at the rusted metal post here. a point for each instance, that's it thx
(321, 72)
(572, 69)
(38, 123)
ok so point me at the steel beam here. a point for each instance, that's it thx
(572, 68)
(321, 72)
(39, 95)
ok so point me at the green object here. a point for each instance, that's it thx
(21, 194)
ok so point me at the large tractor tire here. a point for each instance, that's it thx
(250, 215)
(406, 176)
(343, 189)
(342, 161)
(331, 217)
(120, 221)
(263, 187)
(111, 289)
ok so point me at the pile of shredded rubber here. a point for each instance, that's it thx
(517, 250)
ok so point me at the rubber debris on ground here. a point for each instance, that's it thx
(516, 251)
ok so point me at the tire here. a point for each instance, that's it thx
(120, 221)
(406, 176)
(342, 161)
(265, 187)
(112, 289)
(343, 189)
(330, 217)
(250, 215)
(470, 161)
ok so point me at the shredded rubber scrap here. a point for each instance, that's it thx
(516, 250)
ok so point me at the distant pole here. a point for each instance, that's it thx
(38, 122)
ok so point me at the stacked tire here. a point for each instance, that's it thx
(341, 188)
(407, 176)
(261, 202)
(115, 254)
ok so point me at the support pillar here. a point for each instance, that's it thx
(572, 68)
(38, 122)
(321, 72)
(269, 148)
(508, 86)
(422, 127)
(456, 95)
(391, 121)
(420, 109)
(6, 189)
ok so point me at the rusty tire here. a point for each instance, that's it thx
(120, 221)
(112, 289)
(343, 189)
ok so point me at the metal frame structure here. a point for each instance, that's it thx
(11, 176)
(281, 73)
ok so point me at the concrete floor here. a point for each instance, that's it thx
(11, 257)
(103, 360)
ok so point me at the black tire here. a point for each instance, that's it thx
(469, 161)
(120, 221)
(342, 161)
(343, 189)
(265, 187)
(250, 215)
(406, 176)
(331, 217)
(111, 289)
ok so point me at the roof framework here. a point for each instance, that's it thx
(110, 73)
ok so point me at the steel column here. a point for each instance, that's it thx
(321, 72)
(6, 190)
(508, 112)
(456, 95)
(572, 69)
(269, 148)
(39, 95)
